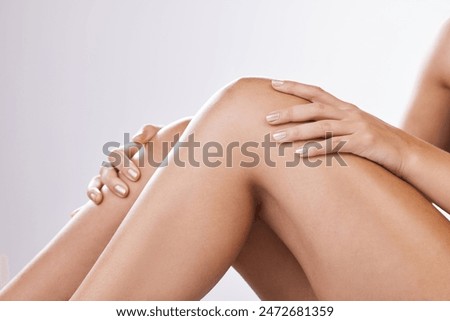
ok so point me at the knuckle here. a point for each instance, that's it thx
(289, 114)
(369, 138)
(317, 91)
(320, 108)
(295, 133)
(348, 107)
(356, 113)
(325, 126)
(364, 126)
(147, 127)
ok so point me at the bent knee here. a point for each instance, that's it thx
(241, 107)
(250, 99)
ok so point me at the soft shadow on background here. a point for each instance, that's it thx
(76, 74)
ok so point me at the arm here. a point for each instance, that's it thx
(432, 99)
(337, 126)
(428, 169)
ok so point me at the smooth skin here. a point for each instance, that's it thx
(431, 102)
(429, 115)
(369, 239)
(58, 270)
(264, 262)
(437, 159)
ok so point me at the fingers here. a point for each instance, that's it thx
(145, 134)
(305, 112)
(313, 130)
(109, 177)
(336, 144)
(308, 92)
(93, 191)
(120, 161)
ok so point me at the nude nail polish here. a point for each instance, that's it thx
(273, 117)
(133, 174)
(277, 83)
(120, 189)
(279, 135)
(300, 151)
(93, 196)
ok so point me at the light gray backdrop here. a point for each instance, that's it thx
(75, 74)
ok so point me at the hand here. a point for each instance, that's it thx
(337, 126)
(109, 174)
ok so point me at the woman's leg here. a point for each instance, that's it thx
(358, 231)
(57, 271)
(269, 267)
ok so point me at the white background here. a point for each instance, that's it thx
(75, 74)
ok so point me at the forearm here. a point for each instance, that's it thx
(428, 169)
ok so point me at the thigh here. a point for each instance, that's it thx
(358, 231)
(269, 267)
(189, 223)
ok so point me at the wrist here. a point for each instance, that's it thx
(413, 155)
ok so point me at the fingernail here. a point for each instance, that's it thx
(93, 196)
(132, 173)
(120, 189)
(277, 83)
(272, 117)
(279, 135)
(301, 151)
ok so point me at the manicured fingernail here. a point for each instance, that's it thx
(120, 189)
(272, 117)
(93, 196)
(279, 135)
(132, 173)
(277, 83)
(301, 151)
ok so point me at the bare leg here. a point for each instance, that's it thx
(58, 270)
(270, 268)
(359, 232)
